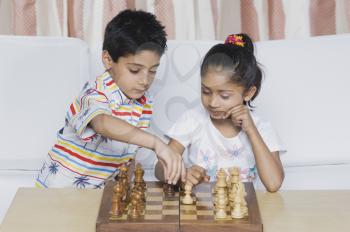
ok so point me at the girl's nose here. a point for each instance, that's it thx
(213, 102)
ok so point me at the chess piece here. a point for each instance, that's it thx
(169, 190)
(220, 180)
(187, 200)
(137, 190)
(117, 207)
(237, 208)
(233, 185)
(233, 176)
(123, 179)
(123, 173)
(139, 173)
(243, 194)
(221, 199)
(135, 209)
(221, 203)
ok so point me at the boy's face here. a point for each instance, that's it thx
(133, 74)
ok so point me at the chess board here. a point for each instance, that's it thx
(161, 212)
(164, 212)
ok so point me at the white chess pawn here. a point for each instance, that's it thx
(237, 211)
(187, 200)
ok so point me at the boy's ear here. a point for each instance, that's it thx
(249, 93)
(107, 60)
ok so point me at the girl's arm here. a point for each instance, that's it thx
(268, 163)
(117, 129)
(176, 146)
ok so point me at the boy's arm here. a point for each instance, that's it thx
(117, 129)
(159, 170)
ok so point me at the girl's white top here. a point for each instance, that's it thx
(208, 148)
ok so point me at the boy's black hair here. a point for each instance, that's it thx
(131, 31)
(237, 60)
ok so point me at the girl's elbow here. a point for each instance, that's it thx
(275, 185)
(273, 188)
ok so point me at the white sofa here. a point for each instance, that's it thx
(305, 96)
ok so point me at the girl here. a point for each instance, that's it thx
(105, 124)
(225, 132)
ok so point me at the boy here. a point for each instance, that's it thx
(105, 124)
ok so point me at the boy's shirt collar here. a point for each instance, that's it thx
(111, 86)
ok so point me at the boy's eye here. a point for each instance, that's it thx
(225, 97)
(205, 91)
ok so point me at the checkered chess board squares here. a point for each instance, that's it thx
(159, 206)
(201, 209)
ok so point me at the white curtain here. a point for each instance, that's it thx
(184, 19)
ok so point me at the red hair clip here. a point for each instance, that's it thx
(235, 40)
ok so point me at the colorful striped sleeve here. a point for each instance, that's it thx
(84, 108)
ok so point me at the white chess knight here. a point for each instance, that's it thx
(187, 199)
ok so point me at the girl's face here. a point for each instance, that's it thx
(133, 74)
(220, 94)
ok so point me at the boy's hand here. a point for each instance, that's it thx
(240, 117)
(172, 162)
(195, 175)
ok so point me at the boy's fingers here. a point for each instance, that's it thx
(165, 173)
(169, 169)
(165, 169)
(173, 171)
(183, 172)
(178, 171)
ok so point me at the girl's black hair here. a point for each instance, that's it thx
(235, 56)
(132, 31)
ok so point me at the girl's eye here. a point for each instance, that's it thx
(153, 72)
(205, 91)
(225, 97)
(134, 71)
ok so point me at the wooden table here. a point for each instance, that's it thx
(76, 210)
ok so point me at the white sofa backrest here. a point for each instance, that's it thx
(306, 97)
(304, 94)
(39, 78)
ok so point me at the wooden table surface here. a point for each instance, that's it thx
(57, 210)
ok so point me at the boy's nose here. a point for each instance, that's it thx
(144, 80)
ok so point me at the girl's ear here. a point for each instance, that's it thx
(107, 60)
(249, 94)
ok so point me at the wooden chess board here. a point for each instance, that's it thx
(164, 212)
